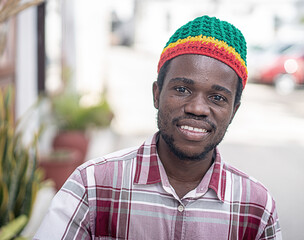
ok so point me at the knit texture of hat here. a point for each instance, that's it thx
(211, 37)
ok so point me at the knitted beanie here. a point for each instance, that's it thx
(211, 37)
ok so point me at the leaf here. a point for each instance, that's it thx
(19, 180)
(3, 202)
(13, 228)
(2, 107)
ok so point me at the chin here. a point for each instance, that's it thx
(187, 154)
(194, 156)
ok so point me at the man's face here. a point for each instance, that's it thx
(195, 105)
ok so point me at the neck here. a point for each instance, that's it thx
(183, 170)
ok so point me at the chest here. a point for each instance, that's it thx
(150, 214)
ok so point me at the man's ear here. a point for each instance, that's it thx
(156, 94)
(234, 111)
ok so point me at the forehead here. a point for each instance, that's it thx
(202, 70)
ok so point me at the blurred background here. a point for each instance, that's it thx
(88, 66)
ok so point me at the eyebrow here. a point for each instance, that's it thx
(221, 88)
(184, 80)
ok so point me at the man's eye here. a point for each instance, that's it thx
(218, 98)
(181, 89)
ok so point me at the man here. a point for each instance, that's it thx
(176, 185)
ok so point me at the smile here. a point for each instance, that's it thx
(192, 133)
(193, 129)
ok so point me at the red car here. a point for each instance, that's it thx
(285, 69)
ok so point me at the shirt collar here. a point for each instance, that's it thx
(148, 172)
(215, 178)
(147, 169)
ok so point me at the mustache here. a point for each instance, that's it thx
(198, 118)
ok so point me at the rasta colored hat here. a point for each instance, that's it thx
(211, 37)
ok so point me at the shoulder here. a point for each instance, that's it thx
(111, 158)
(242, 176)
(248, 188)
(105, 168)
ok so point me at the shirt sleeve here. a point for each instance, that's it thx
(272, 229)
(68, 215)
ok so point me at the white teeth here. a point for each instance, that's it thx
(197, 129)
(193, 129)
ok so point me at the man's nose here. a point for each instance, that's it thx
(198, 105)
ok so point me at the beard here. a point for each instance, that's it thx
(163, 124)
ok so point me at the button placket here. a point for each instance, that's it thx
(179, 227)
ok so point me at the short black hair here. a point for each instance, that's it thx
(164, 69)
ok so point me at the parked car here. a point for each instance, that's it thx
(284, 69)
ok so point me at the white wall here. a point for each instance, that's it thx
(26, 72)
(26, 61)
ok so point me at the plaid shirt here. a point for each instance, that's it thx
(127, 195)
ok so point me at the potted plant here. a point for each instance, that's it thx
(59, 165)
(20, 179)
(74, 117)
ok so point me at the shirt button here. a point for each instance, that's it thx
(180, 208)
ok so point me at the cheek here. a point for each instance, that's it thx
(223, 116)
(171, 104)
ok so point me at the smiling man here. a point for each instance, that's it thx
(195, 103)
(176, 185)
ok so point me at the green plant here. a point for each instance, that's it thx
(19, 177)
(70, 114)
(9, 231)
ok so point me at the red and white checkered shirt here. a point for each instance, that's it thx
(127, 195)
